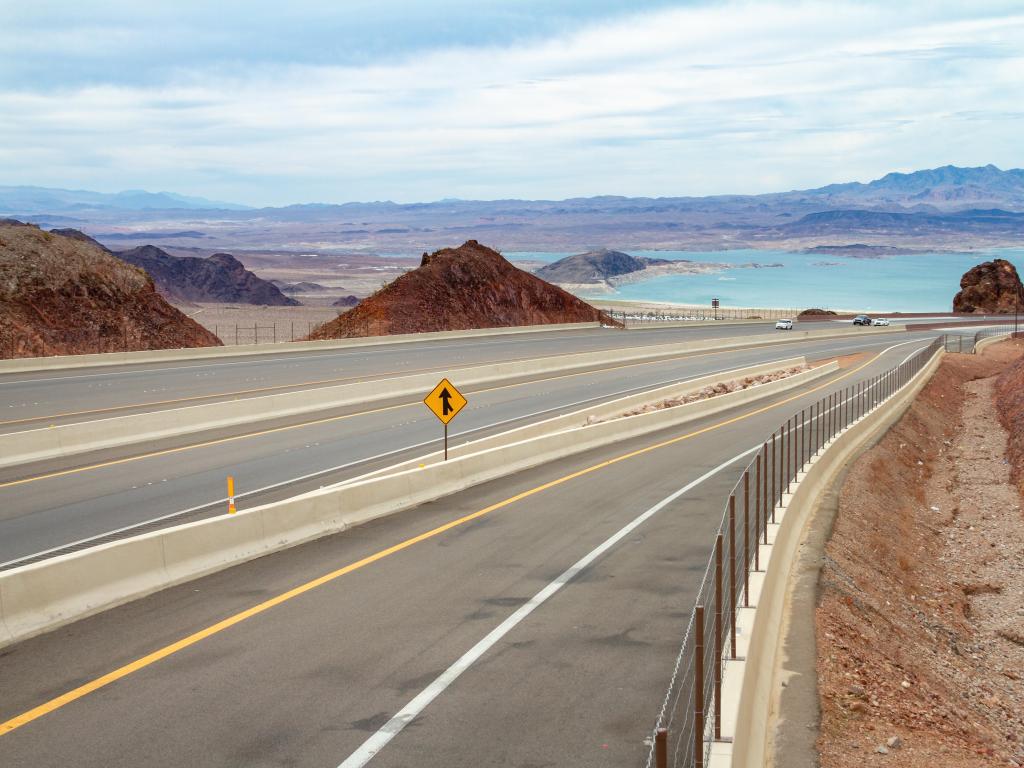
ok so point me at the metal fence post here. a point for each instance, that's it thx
(746, 538)
(732, 575)
(764, 493)
(773, 477)
(718, 637)
(698, 689)
(757, 513)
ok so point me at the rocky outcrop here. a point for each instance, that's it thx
(992, 287)
(219, 278)
(815, 312)
(65, 296)
(594, 267)
(460, 288)
(346, 301)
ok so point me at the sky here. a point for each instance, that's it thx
(280, 103)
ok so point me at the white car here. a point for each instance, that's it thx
(784, 325)
(879, 321)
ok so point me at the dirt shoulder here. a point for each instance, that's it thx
(920, 617)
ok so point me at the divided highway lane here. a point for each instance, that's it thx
(30, 400)
(308, 680)
(51, 504)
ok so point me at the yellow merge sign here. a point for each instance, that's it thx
(445, 401)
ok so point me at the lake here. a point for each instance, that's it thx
(923, 282)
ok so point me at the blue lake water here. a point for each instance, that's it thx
(923, 282)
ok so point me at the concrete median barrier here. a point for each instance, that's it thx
(41, 596)
(82, 437)
(61, 362)
(581, 416)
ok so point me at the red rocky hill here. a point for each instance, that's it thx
(65, 296)
(991, 287)
(460, 288)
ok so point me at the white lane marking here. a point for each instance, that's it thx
(410, 711)
(273, 486)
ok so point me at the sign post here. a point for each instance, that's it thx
(445, 401)
(714, 306)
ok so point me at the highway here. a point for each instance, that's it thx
(529, 621)
(48, 505)
(34, 399)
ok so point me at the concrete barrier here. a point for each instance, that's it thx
(82, 437)
(41, 596)
(580, 417)
(759, 695)
(59, 362)
(987, 340)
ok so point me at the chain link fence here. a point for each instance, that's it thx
(690, 717)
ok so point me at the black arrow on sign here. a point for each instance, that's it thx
(445, 396)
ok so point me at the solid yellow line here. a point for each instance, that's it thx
(152, 658)
(326, 420)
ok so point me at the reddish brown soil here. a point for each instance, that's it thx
(922, 590)
(63, 296)
(1010, 398)
(456, 289)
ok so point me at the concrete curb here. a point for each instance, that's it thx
(60, 362)
(990, 340)
(41, 596)
(82, 437)
(752, 686)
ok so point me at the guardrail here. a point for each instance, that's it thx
(690, 718)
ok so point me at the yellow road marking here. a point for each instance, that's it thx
(168, 650)
(329, 419)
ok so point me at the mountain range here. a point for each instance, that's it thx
(50, 200)
(936, 208)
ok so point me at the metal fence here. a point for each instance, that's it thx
(237, 334)
(967, 344)
(681, 314)
(691, 713)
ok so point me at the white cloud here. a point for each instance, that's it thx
(744, 97)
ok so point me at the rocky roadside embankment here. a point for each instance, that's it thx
(920, 619)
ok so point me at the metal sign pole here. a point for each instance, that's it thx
(446, 441)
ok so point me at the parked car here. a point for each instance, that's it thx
(862, 320)
(784, 325)
(879, 321)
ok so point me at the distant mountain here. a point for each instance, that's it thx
(947, 187)
(836, 223)
(33, 200)
(219, 278)
(594, 267)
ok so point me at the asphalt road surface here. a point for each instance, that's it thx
(32, 400)
(555, 666)
(48, 505)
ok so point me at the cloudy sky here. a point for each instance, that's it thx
(270, 104)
